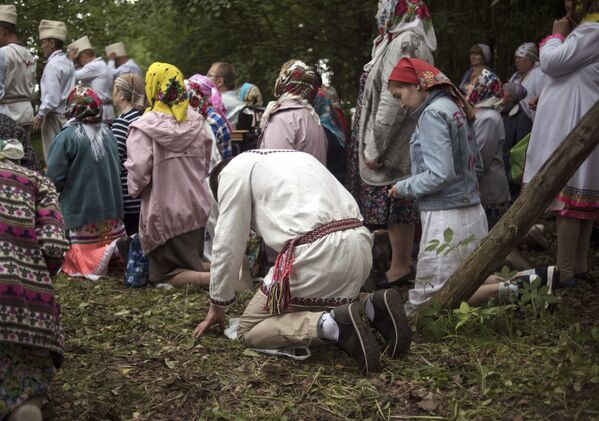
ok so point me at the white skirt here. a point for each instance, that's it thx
(433, 270)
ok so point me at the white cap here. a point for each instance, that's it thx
(8, 13)
(53, 29)
(81, 44)
(118, 48)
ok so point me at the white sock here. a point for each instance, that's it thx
(369, 308)
(507, 293)
(327, 328)
(527, 272)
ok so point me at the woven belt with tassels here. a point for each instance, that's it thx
(279, 291)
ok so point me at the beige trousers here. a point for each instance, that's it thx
(260, 329)
(573, 238)
(51, 125)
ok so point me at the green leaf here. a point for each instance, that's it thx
(441, 248)
(430, 247)
(448, 235)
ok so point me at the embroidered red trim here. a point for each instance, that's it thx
(552, 36)
(279, 293)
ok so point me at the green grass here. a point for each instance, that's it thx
(130, 355)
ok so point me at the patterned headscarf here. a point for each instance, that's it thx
(84, 105)
(297, 82)
(396, 16)
(204, 94)
(419, 72)
(131, 86)
(486, 86)
(322, 106)
(84, 110)
(528, 50)
(250, 94)
(165, 89)
(297, 78)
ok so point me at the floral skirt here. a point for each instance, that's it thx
(25, 372)
(92, 247)
(379, 209)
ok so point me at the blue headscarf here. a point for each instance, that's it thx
(322, 106)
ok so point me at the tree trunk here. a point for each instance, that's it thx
(514, 225)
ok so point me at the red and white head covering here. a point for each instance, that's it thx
(419, 72)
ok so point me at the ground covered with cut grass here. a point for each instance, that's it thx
(130, 355)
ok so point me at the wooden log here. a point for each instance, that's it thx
(516, 222)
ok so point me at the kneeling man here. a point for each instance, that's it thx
(311, 295)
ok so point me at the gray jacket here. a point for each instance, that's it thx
(445, 157)
(490, 137)
(385, 128)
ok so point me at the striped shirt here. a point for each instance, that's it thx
(120, 130)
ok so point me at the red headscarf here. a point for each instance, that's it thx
(419, 72)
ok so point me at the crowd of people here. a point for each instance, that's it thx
(140, 172)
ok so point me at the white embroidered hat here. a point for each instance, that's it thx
(81, 44)
(118, 48)
(52, 29)
(8, 13)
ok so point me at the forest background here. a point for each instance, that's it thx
(257, 36)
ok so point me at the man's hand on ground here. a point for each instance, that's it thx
(216, 315)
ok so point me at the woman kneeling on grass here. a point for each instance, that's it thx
(445, 162)
(83, 163)
(168, 154)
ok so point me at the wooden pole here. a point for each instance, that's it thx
(516, 222)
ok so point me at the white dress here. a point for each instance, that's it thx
(572, 88)
(282, 195)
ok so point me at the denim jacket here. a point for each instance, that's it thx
(445, 157)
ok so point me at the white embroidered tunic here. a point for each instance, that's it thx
(283, 195)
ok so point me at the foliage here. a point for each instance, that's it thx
(258, 36)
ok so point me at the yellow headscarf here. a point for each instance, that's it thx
(165, 89)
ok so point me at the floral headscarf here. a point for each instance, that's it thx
(131, 86)
(297, 82)
(396, 16)
(528, 50)
(208, 89)
(165, 89)
(84, 105)
(84, 110)
(419, 72)
(322, 106)
(486, 86)
(204, 94)
(297, 78)
(250, 94)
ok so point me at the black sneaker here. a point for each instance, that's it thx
(391, 322)
(355, 337)
(549, 276)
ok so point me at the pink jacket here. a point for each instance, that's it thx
(293, 127)
(168, 165)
